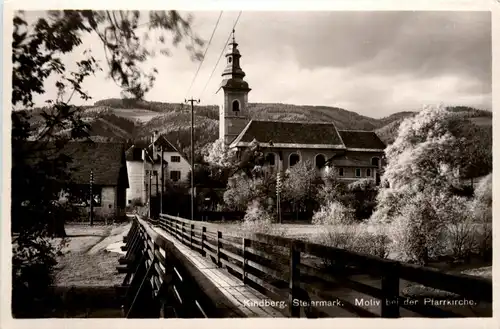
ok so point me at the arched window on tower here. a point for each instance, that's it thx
(236, 106)
(320, 161)
(229, 59)
(294, 159)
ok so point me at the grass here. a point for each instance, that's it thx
(85, 260)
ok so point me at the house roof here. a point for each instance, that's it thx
(290, 134)
(105, 160)
(357, 139)
(162, 141)
(134, 153)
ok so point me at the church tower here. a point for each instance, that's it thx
(233, 114)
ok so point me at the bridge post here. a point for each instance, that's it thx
(244, 255)
(191, 236)
(294, 284)
(219, 236)
(182, 232)
(390, 291)
(162, 308)
(203, 231)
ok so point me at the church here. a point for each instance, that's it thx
(354, 154)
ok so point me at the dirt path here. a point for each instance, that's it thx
(85, 260)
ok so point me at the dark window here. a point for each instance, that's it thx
(155, 173)
(236, 106)
(375, 161)
(358, 172)
(320, 161)
(341, 171)
(175, 175)
(229, 60)
(175, 158)
(294, 159)
(129, 201)
(271, 159)
(368, 173)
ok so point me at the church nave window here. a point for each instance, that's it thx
(294, 159)
(271, 159)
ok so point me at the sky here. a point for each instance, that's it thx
(372, 62)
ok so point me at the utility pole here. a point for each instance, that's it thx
(157, 189)
(91, 199)
(192, 101)
(149, 201)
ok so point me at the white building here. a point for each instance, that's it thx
(145, 170)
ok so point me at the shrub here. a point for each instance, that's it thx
(461, 231)
(417, 232)
(333, 213)
(483, 215)
(352, 237)
(337, 228)
(257, 219)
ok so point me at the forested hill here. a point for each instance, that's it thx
(122, 119)
(269, 111)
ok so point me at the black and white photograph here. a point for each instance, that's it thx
(248, 164)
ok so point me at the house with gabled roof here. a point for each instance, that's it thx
(354, 154)
(148, 173)
(106, 162)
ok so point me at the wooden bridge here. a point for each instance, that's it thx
(181, 268)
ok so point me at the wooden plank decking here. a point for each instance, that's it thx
(242, 296)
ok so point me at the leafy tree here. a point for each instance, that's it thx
(423, 169)
(242, 190)
(332, 188)
(219, 154)
(39, 171)
(361, 196)
(300, 186)
(421, 160)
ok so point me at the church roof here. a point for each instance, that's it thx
(290, 134)
(358, 139)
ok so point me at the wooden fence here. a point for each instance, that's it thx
(312, 277)
(158, 282)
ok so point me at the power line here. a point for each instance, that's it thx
(221, 53)
(204, 55)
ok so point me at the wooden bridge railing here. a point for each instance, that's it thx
(311, 276)
(158, 282)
